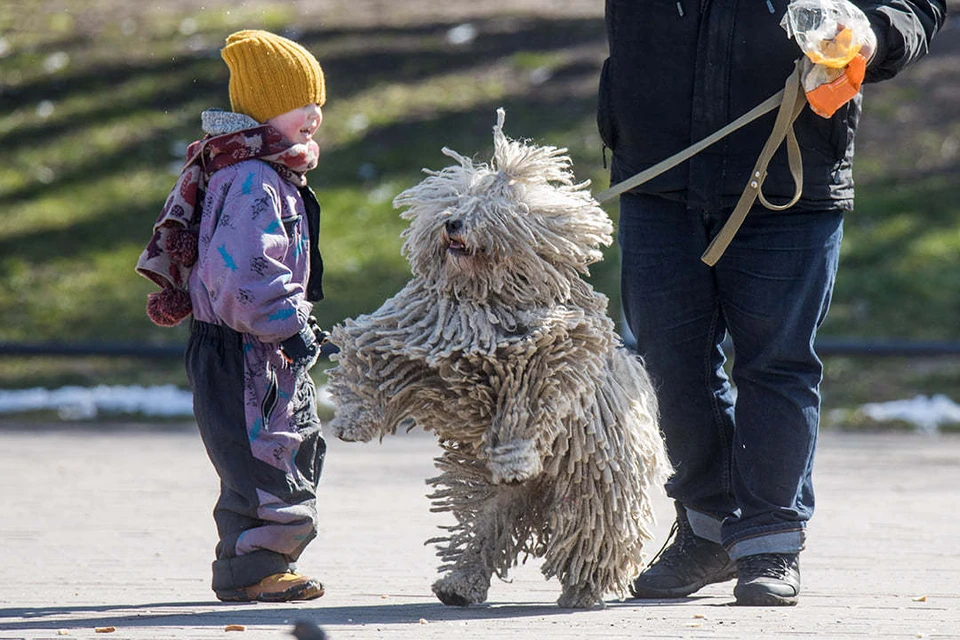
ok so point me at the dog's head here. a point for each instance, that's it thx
(518, 228)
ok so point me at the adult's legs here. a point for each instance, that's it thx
(671, 303)
(672, 307)
(744, 474)
(775, 282)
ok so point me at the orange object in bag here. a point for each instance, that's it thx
(835, 52)
(826, 98)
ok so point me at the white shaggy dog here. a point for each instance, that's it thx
(548, 427)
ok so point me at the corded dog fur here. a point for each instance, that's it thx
(547, 425)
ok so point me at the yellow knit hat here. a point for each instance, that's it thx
(271, 75)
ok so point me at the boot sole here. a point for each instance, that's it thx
(757, 596)
(307, 591)
(678, 592)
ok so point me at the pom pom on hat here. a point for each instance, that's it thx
(271, 75)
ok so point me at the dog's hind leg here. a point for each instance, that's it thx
(486, 538)
(467, 579)
(580, 597)
(592, 538)
(463, 587)
(582, 576)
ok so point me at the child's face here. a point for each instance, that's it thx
(298, 125)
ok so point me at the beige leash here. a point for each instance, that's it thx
(791, 101)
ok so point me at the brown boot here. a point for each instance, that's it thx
(280, 587)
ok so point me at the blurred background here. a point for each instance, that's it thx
(99, 99)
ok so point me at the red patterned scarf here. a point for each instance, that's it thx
(172, 251)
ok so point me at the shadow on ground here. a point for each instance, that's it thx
(211, 614)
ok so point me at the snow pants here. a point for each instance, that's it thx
(258, 421)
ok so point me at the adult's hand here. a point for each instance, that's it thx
(838, 42)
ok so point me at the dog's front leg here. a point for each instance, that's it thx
(359, 410)
(366, 399)
(526, 422)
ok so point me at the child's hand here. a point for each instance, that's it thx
(302, 349)
(321, 335)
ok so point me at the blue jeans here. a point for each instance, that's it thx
(743, 453)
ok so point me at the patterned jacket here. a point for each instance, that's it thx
(254, 254)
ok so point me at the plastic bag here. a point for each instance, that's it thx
(835, 36)
(829, 32)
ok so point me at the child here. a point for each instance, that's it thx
(236, 246)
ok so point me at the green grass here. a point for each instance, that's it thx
(99, 100)
(900, 274)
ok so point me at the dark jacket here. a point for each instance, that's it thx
(678, 71)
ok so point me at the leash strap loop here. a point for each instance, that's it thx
(794, 99)
(791, 100)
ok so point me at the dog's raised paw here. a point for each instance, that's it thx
(349, 436)
(514, 462)
(349, 432)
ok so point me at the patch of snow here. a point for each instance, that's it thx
(170, 401)
(927, 413)
(84, 403)
(462, 34)
(73, 403)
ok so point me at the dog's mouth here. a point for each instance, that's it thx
(457, 247)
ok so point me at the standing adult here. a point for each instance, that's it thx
(677, 72)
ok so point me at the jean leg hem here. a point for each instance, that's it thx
(703, 525)
(775, 542)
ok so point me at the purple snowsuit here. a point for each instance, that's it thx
(256, 414)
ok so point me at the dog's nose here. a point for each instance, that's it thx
(453, 226)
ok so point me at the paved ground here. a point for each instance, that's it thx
(113, 529)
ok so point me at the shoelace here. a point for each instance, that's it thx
(673, 549)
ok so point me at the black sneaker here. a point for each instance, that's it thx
(768, 580)
(685, 566)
